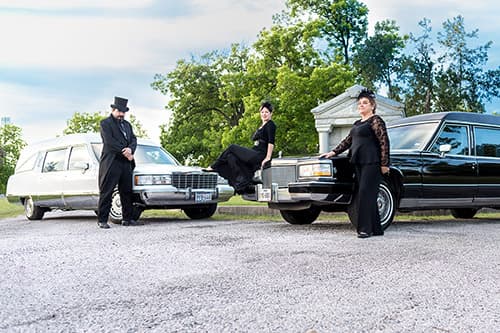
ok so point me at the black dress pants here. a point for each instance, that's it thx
(120, 173)
(368, 181)
(237, 164)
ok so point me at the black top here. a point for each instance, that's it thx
(263, 136)
(368, 142)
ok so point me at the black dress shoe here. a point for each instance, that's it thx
(378, 233)
(103, 225)
(363, 235)
(131, 222)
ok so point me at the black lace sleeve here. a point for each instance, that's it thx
(378, 127)
(343, 145)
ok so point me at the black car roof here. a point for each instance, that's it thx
(470, 117)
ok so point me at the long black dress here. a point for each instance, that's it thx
(237, 164)
(369, 150)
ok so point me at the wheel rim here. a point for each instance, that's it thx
(385, 204)
(29, 207)
(116, 207)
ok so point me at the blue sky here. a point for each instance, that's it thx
(58, 57)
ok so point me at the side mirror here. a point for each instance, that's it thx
(443, 149)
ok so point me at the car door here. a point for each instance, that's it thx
(487, 148)
(80, 187)
(47, 189)
(450, 178)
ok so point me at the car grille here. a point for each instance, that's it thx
(194, 180)
(282, 175)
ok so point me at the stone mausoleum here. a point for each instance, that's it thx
(334, 118)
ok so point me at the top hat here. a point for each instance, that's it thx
(120, 104)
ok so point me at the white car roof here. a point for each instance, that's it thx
(70, 139)
(74, 139)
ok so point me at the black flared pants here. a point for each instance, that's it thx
(237, 164)
(368, 181)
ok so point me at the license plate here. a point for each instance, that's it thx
(202, 196)
(265, 194)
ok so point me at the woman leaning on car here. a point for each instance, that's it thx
(368, 146)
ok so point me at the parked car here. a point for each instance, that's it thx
(448, 160)
(62, 173)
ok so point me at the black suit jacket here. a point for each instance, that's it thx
(114, 141)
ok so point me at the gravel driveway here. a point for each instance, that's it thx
(63, 274)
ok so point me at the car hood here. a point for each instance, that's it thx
(163, 169)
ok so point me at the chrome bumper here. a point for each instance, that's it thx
(174, 197)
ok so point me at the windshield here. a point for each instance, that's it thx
(144, 154)
(411, 136)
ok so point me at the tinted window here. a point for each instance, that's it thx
(144, 154)
(487, 141)
(414, 136)
(79, 155)
(54, 160)
(455, 136)
(153, 154)
(28, 165)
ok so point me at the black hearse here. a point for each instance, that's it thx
(448, 160)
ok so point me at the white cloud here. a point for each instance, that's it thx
(138, 43)
(42, 114)
(482, 15)
(73, 4)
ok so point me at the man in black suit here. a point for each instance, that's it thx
(117, 163)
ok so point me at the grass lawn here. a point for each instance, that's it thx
(237, 200)
(9, 210)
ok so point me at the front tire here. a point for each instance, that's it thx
(385, 203)
(200, 212)
(115, 213)
(304, 216)
(464, 213)
(32, 211)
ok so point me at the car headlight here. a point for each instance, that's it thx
(315, 170)
(221, 181)
(153, 180)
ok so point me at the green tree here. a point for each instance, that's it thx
(11, 144)
(462, 82)
(342, 23)
(420, 71)
(380, 59)
(87, 122)
(287, 70)
(206, 99)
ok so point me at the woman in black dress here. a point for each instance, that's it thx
(238, 164)
(368, 146)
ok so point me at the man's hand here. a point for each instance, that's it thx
(127, 152)
(330, 154)
(384, 170)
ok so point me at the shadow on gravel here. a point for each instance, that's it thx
(315, 226)
(451, 221)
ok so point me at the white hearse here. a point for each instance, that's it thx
(62, 173)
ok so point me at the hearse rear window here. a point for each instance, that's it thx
(487, 141)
